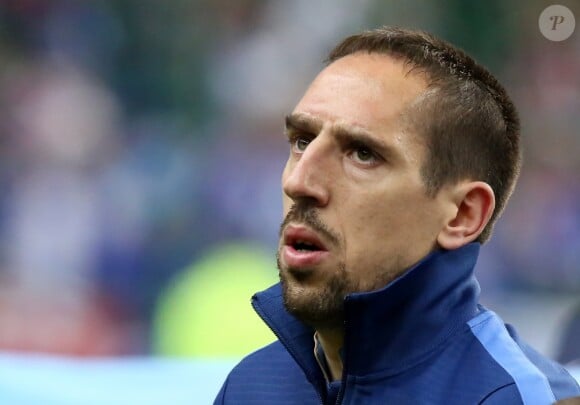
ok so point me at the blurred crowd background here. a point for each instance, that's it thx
(141, 148)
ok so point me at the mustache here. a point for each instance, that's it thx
(303, 212)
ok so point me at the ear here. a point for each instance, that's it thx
(475, 202)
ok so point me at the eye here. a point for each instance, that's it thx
(299, 143)
(364, 155)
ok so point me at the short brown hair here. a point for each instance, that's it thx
(470, 124)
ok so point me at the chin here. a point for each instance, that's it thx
(311, 308)
(318, 305)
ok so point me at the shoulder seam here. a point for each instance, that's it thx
(494, 391)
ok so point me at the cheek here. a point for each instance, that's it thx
(385, 224)
(382, 243)
(367, 229)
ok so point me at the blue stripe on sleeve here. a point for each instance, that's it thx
(492, 334)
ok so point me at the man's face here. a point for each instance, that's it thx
(357, 212)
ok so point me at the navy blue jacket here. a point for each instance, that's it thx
(422, 339)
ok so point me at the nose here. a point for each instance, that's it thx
(308, 176)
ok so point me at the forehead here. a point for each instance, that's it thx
(365, 90)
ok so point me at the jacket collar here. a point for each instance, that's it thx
(390, 329)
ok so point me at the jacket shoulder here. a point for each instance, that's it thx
(536, 378)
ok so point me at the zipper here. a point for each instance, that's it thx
(309, 377)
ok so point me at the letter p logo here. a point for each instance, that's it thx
(557, 23)
(557, 19)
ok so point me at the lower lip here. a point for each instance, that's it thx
(302, 258)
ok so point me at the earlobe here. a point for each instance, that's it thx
(475, 202)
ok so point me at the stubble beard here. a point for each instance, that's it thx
(322, 308)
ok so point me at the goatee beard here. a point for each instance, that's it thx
(321, 309)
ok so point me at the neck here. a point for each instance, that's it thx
(332, 341)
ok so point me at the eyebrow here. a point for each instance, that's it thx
(303, 122)
(354, 134)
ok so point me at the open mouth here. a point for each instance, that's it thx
(303, 239)
(302, 248)
(305, 246)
